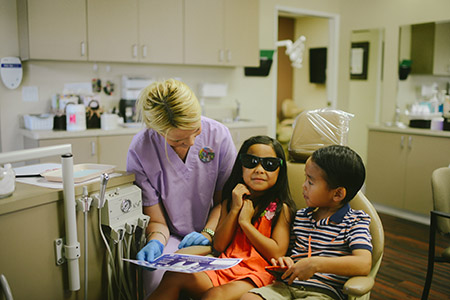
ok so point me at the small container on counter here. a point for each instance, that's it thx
(75, 117)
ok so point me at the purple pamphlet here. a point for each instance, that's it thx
(187, 263)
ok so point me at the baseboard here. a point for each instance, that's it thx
(402, 214)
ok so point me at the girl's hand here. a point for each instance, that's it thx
(302, 270)
(238, 194)
(246, 214)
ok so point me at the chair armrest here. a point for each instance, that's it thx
(358, 285)
(440, 214)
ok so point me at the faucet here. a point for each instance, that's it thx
(238, 111)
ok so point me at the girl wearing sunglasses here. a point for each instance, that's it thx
(254, 225)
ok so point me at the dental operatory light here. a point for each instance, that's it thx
(294, 50)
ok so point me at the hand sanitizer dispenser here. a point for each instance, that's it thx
(11, 72)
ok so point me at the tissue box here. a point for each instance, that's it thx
(38, 121)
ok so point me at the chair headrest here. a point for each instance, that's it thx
(314, 129)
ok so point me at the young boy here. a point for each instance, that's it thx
(331, 241)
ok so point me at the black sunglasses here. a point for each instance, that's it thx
(269, 164)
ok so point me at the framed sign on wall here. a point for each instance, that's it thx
(359, 60)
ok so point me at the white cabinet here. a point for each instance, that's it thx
(110, 150)
(219, 32)
(161, 31)
(240, 134)
(200, 32)
(399, 167)
(113, 30)
(113, 150)
(136, 30)
(52, 29)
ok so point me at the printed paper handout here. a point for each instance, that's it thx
(187, 263)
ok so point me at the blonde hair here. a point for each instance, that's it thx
(164, 105)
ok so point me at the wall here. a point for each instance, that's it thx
(8, 47)
(364, 94)
(310, 95)
(390, 15)
(253, 92)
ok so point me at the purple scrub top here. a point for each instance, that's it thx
(184, 190)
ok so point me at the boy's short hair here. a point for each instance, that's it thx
(342, 167)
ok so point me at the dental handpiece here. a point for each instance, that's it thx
(103, 182)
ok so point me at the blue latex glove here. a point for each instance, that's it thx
(192, 239)
(151, 251)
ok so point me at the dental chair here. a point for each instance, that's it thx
(319, 128)
(357, 287)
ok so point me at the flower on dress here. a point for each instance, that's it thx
(269, 212)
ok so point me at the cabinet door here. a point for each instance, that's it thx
(113, 150)
(204, 32)
(425, 154)
(161, 31)
(441, 49)
(422, 48)
(84, 150)
(241, 33)
(113, 30)
(386, 168)
(239, 135)
(52, 29)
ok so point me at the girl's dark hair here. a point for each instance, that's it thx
(279, 191)
(342, 167)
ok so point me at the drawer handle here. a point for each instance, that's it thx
(410, 142)
(144, 51)
(229, 56)
(402, 142)
(83, 48)
(93, 149)
(135, 51)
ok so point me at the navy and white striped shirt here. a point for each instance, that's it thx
(338, 235)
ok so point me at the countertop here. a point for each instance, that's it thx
(62, 134)
(409, 130)
(27, 195)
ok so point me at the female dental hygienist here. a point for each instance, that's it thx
(181, 162)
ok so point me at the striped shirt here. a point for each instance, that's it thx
(338, 235)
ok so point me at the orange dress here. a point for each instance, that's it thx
(252, 265)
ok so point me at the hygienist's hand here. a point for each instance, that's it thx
(192, 239)
(151, 251)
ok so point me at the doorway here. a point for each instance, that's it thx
(323, 30)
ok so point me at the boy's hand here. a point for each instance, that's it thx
(302, 270)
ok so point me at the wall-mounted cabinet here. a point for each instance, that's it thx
(199, 32)
(430, 48)
(52, 30)
(219, 32)
(136, 31)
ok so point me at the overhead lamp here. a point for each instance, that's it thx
(294, 50)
